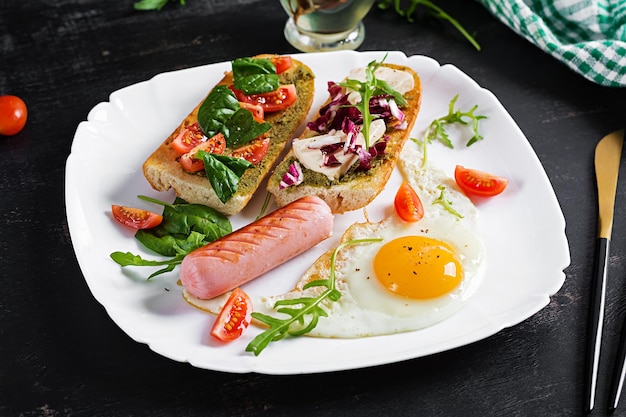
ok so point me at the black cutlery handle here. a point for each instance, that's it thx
(596, 319)
(619, 371)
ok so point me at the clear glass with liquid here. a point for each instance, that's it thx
(325, 25)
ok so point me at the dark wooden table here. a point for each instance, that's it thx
(61, 355)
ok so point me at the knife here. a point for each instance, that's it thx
(607, 161)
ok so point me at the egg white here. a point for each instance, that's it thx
(365, 307)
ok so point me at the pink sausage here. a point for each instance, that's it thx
(254, 249)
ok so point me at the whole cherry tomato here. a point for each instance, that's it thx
(13, 115)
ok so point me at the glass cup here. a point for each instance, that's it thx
(325, 25)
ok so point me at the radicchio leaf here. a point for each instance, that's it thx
(293, 176)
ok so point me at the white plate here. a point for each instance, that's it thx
(523, 228)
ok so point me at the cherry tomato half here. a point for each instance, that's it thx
(188, 138)
(13, 115)
(478, 183)
(257, 111)
(277, 100)
(408, 204)
(234, 318)
(215, 144)
(254, 151)
(282, 63)
(135, 217)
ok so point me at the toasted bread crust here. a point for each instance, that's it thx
(355, 191)
(163, 171)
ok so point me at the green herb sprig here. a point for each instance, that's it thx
(433, 10)
(300, 309)
(369, 88)
(437, 128)
(447, 204)
(129, 259)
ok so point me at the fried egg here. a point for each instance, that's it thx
(413, 276)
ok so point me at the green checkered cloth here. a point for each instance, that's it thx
(589, 36)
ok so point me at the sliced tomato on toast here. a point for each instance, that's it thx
(215, 144)
(274, 101)
(257, 111)
(282, 63)
(188, 138)
(254, 151)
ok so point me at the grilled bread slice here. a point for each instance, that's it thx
(357, 187)
(163, 169)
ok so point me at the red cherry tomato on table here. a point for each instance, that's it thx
(253, 152)
(408, 204)
(234, 318)
(478, 183)
(277, 100)
(135, 217)
(13, 115)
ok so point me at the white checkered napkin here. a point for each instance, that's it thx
(589, 36)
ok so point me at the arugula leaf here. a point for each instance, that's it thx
(223, 172)
(437, 130)
(366, 90)
(383, 87)
(255, 75)
(129, 259)
(447, 204)
(300, 309)
(371, 87)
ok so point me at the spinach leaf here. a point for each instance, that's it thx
(255, 75)
(249, 66)
(223, 173)
(220, 112)
(182, 217)
(243, 128)
(215, 111)
(171, 245)
(184, 228)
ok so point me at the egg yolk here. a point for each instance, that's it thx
(418, 267)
